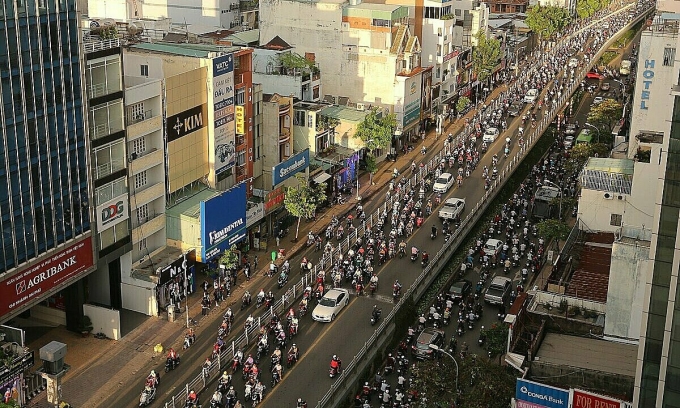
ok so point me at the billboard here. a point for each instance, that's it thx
(583, 399)
(539, 395)
(426, 93)
(241, 120)
(223, 106)
(412, 100)
(186, 122)
(33, 283)
(288, 168)
(112, 212)
(274, 199)
(179, 266)
(223, 221)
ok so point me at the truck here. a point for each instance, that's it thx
(498, 291)
(543, 206)
(625, 67)
(452, 209)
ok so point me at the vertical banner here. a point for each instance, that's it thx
(240, 120)
(426, 93)
(223, 106)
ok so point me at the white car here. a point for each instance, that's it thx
(531, 96)
(598, 100)
(443, 183)
(568, 142)
(490, 135)
(330, 305)
(493, 247)
(573, 62)
(452, 208)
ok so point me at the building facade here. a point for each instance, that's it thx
(47, 245)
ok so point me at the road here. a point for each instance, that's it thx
(317, 342)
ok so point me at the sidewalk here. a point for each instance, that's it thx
(100, 368)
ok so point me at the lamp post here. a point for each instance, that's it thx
(596, 128)
(437, 348)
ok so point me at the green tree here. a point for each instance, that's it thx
(11, 404)
(586, 8)
(579, 154)
(230, 258)
(375, 131)
(496, 339)
(301, 200)
(462, 104)
(552, 229)
(547, 21)
(607, 114)
(486, 55)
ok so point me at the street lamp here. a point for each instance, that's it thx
(436, 348)
(596, 128)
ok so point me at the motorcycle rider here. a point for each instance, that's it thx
(172, 355)
(336, 364)
(276, 356)
(434, 230)
(225, 380)
(246, 298)
(192, 398)
(293, 352)
(217, 397)
(402, 246)
(426, 257)
(376, 313)
(278, 370)
(260, 296)
(153, 379)
(374, 281)
(301, 403)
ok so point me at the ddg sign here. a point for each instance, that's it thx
(112, 212)
(223, 221)
(540, 395)
(297, 163)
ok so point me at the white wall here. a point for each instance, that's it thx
(595, 211)
(639, 211)
(104, 320)
(115, 9)
(133, 61)
(626, 289)
(280, 84)
(200, 12)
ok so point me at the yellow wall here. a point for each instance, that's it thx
(188, 155)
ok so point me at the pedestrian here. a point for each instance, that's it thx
(255, 262)
(205, 287)
(278, 241)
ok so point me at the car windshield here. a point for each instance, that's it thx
(327, 302)
(442, 180)
(450, 205)
(457, 289)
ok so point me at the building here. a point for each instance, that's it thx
(509, 6)
(282, 71)
(45, 202)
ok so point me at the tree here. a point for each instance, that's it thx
(486, 55)
(229, 258)
(552, 229)
(606, 114)
(586, 8)
(462, 104)
(376, 132)
(579, 154)
(496, 339)
(10, 404)
(547, 21)
(301, 200)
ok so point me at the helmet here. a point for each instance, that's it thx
(294, 345)
(334, 356)
(299, 399)
(389, 355)
(153, 372)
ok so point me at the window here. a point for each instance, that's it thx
(144, 70)
(142, 244)
(110, 191)
(142, 213)
(241, 96)
(668, 56)
(615, 220)
(380, 23)
(140, 179)
(299, 118)
(315, 92)
(310, 121)
(112, 235)
(241, 158)
(139, 146)
(109, 159)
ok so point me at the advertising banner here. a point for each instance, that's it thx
(541, 395)
(426, 93)
(274, 199)
(288, 168)
(223, 221)
(583, 399)
(412, 100)
(240, 120)
(25, 287)
(180, 266)
(254, 214)
(183, 123)
(223, 106)
(112, 212)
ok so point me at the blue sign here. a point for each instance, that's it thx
(223, 221)
(223, 65)
(542, 395)
(294, 164)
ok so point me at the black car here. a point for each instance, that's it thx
(421, 349)
(460, 290)
(515, 109)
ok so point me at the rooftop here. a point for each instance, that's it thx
(191, 206)
(345, 113)
(610, 175)
(588, 354)
(591, 279)
(245, 38)
(186, 50)
(147, 270)
(309, 106)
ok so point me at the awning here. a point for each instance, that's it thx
(322, 178)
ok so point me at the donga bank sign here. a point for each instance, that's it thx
(289, 167)
(223, 221)
(540, 395)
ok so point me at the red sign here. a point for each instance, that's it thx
(31, 284)
(450, 55)
(584, 399)
(274, 199)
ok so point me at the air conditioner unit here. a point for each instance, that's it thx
(608, 196)
(361, 107)
(620, 197)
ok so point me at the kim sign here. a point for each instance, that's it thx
(288, 168)
(223, 221)
(531, 394)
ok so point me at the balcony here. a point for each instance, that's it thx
(148, 226)
(143, 161)
(144, 127)
(131, 119)
(240, 140)
(241, 170)
(94, 43)
(284, 109)
(284, 135)
(146, 194)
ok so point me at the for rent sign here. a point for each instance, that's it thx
(583, 399)
(30, 286)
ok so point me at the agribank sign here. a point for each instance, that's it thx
(531, 394)
(288, 168)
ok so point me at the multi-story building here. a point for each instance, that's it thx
(439, 50)
(46, 199)
(510, 6)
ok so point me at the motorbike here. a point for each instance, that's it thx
(292, 359)
(147, 397)
(482, 337)
(376, 316)
(453, 343)
(414, 256)
(333, 371)
(283, 279)
(171, 364)
(424, 262)
(262, 348)
(433, 234)
(188, 341)
(402, 252)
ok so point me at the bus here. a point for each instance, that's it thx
(584, 137)
(542, 206)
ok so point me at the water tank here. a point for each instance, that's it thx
(134, 29)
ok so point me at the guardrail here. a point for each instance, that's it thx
(336, 395)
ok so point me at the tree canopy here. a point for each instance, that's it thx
(463, 102)
(376, 130)
(552, 229)
(301, 200)
(605, 115)
(586, 8)
(229, 258)
(547, 21)
(579, 154)
(486, 55)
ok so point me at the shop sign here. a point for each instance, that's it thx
(223, 221)
(274, 199)
(32, 284)
(7, 377)
(451, 55)
(582, 399)
(180, 266)
(290, 167)
(541, 395)
(240, 120)
(112, 212)
(186, 122)
(647, 75)
(254, 214)
(223, 110)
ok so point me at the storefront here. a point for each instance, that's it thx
(176, 280)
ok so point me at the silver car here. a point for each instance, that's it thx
(330, 305)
